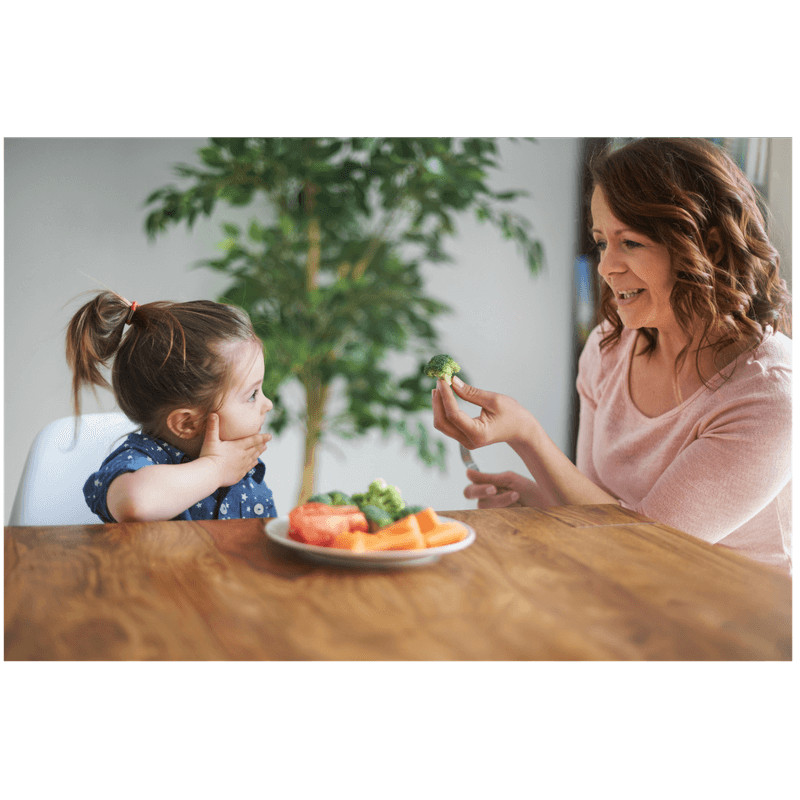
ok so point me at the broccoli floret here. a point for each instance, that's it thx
(321, 498)
(341, 499)
(334, 498)
(377, 517)
(442, 366)
(409, 511)
(381, 495)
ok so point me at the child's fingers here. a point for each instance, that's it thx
(257, 443)
(212, 428)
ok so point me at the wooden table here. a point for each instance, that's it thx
(571, 583)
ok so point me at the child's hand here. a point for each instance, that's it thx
(233, 459)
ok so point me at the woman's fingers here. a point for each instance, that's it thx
(448, 418)
(492, 490)
(489, 496)
(451, 420)
(503, 500)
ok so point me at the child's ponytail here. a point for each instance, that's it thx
(93, 336)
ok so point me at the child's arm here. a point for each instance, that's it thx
(162, 491)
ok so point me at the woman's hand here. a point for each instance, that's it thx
(493, 491)
(502, 419)
(504, 489)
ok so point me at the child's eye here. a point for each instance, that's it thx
(253, 396)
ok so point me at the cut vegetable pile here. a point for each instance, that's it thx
(346, 527)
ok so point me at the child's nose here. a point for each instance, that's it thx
(267, 405)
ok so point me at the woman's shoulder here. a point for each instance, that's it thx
(768, 366)
(612, 352)
(600, 364)
(775, 351)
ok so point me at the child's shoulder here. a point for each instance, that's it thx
(157, 450)
(136, 451)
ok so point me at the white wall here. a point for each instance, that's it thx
(779, 191)
(75, 206)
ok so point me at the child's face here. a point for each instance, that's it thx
(244, 406)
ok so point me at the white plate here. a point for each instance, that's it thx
(278, 531)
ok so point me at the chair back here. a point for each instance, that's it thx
(50, 491)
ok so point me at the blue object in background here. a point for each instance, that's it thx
(584, 297)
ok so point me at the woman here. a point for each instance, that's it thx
(685, 386)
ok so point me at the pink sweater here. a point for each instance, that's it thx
(718, 466)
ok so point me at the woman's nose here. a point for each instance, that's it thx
(611, 261)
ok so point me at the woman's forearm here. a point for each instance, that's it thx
(554, 473)
(162, 491)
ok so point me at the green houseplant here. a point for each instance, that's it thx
(329, 268)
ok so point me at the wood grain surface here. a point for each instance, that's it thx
(574, 583)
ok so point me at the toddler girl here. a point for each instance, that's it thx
(190, 375)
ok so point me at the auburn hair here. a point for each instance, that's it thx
(171, 355)
(690, 196)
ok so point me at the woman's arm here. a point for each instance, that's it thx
(553, 471)
(503, 419)
(504, 489)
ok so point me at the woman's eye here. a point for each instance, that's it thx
(627, 242)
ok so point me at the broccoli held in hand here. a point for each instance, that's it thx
(442, 366)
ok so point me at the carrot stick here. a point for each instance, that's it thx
(427, 520)
(403, 526)
(445, 533)
(413, 540)
(350, 540)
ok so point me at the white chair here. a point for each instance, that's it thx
(50, 491)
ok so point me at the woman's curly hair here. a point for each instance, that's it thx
(690, 196)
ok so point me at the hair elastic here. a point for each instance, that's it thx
(129, 319)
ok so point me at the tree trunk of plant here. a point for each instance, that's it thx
(316, 390)
(316, 399)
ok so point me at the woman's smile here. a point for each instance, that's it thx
(628, 297)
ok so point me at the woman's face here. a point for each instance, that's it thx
(638, 270)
